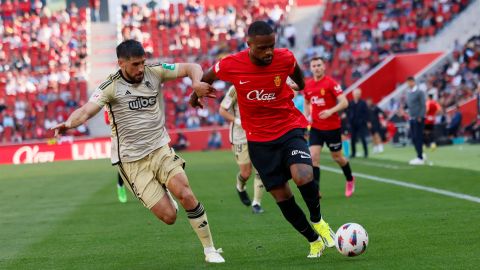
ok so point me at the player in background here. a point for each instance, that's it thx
(140, 149)
(275, 128)
(324, 99)
(229, 110)
(432, 109)
(121, 192)
(375, 126)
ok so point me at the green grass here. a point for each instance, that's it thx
(66, 216)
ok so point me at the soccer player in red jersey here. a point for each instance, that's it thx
(324, 98)
(275, 128)
(433, 108)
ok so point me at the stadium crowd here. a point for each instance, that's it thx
(42, 68)
(357, 35)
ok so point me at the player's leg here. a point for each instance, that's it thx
(243, 160)
(295, 216)
(258, 190)
(171, 174)
(140, 180)
(301, 170)
(316, 143)
(334, 143)
(121, 191)
(268, 159)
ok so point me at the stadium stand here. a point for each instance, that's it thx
(194, 32)
(42, 68)
(357, 35)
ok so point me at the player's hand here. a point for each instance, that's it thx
(195, 101)
(203, 89)
(369, 125)
(325, 114)
(61, 128)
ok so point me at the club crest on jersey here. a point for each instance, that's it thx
(277, 81)
(322, 92)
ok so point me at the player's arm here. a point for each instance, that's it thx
(307, 108)
(208, 77)
(342, 104)
(78, 117)
(195, 73)
(297, 78)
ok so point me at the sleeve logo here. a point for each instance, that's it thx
(217, 67)
(168, 66)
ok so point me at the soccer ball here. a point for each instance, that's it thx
(351, 239)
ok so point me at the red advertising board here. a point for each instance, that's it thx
(93, 148)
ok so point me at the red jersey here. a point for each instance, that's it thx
(264, 99)
(323, 95)
(432, 108)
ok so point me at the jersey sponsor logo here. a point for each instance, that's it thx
(168, 66)
(318, 101)
(277, 81)
(260, 95)
(302, 154)
(142, 102)
(243, 82)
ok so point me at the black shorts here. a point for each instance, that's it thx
(273, 159)
(333, 138)
(429, 127)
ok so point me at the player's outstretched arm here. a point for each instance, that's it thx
(297, 77)
(208, 77)
(78, 117)
(195, 73)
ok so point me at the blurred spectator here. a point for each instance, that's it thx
(455, 123)
(214, 140)
(375, 126)
(289, 33)
(432, 110)
(416, 109)
(181, 143)
(358, 117)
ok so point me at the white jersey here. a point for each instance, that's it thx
(229, 103)
(136, 112)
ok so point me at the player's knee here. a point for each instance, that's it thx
(303, 176)
(167, 216)
(186, 197)
(245, 173)
(169, 219)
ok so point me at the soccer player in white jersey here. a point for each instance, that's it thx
(230, 111)
(140, 140)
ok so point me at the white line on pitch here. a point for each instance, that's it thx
(409, 185)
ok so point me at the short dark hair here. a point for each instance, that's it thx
(315, 58)
(410, 78)
(259, 28)
(130, 48)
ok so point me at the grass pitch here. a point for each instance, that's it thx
(65, 215)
